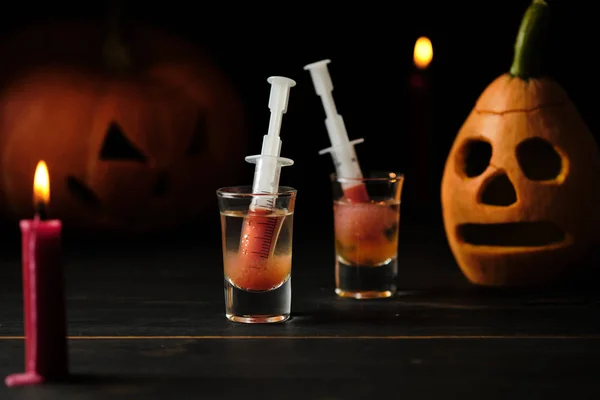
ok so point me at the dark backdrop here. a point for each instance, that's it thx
(370, 45)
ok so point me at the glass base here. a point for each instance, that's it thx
(258, 307)
(257, 319)
(365, 281)
(365, 294)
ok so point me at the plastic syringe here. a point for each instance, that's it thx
(342, 149)
(260, 231)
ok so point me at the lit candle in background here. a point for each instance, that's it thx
(419, 177)
(423, 53)
(46, 355)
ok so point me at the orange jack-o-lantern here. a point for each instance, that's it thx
(139, 147)
(520, 191)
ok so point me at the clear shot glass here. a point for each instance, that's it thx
(366, 234)
(257, 253)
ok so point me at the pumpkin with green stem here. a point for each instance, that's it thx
(520, 188)
(138, 127)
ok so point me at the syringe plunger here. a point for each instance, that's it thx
(322, 81)
(268, 162)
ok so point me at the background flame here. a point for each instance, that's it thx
(423, 53)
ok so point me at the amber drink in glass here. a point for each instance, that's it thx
(257, 254)
(366, 225)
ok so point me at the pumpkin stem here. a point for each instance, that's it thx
(527, 58)
(116, 55)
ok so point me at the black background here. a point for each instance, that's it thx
(156, 292)
(371, 48)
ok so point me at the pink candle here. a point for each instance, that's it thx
(46, 353)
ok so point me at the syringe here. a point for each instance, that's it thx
(342, 149)
(260, 231)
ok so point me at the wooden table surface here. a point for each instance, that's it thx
(150, 325)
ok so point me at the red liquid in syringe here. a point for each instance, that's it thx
(255, 266)
(357, 193)
(258, 233)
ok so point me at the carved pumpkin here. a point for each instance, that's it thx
(136, 138)
(520, 187)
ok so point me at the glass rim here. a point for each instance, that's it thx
(245, 191)
(392, 177)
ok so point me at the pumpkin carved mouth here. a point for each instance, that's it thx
(512, 234)
(82, 192)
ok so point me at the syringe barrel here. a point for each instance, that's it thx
(336, 129)
(266, 175)
(266, 178)
(342, 149)
(345, 161)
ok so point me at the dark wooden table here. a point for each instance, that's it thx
(150, 325)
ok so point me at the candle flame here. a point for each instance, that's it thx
(423, 53)
(41, 184)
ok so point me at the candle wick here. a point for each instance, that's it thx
(40, 211)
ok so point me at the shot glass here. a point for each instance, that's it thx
(366, 223)
(256, 234)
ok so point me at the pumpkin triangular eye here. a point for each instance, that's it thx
(198, 140)
(117, 147)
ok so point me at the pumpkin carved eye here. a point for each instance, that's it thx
(538, 159)
(474, 157)
(116, 146)
(198, 141)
